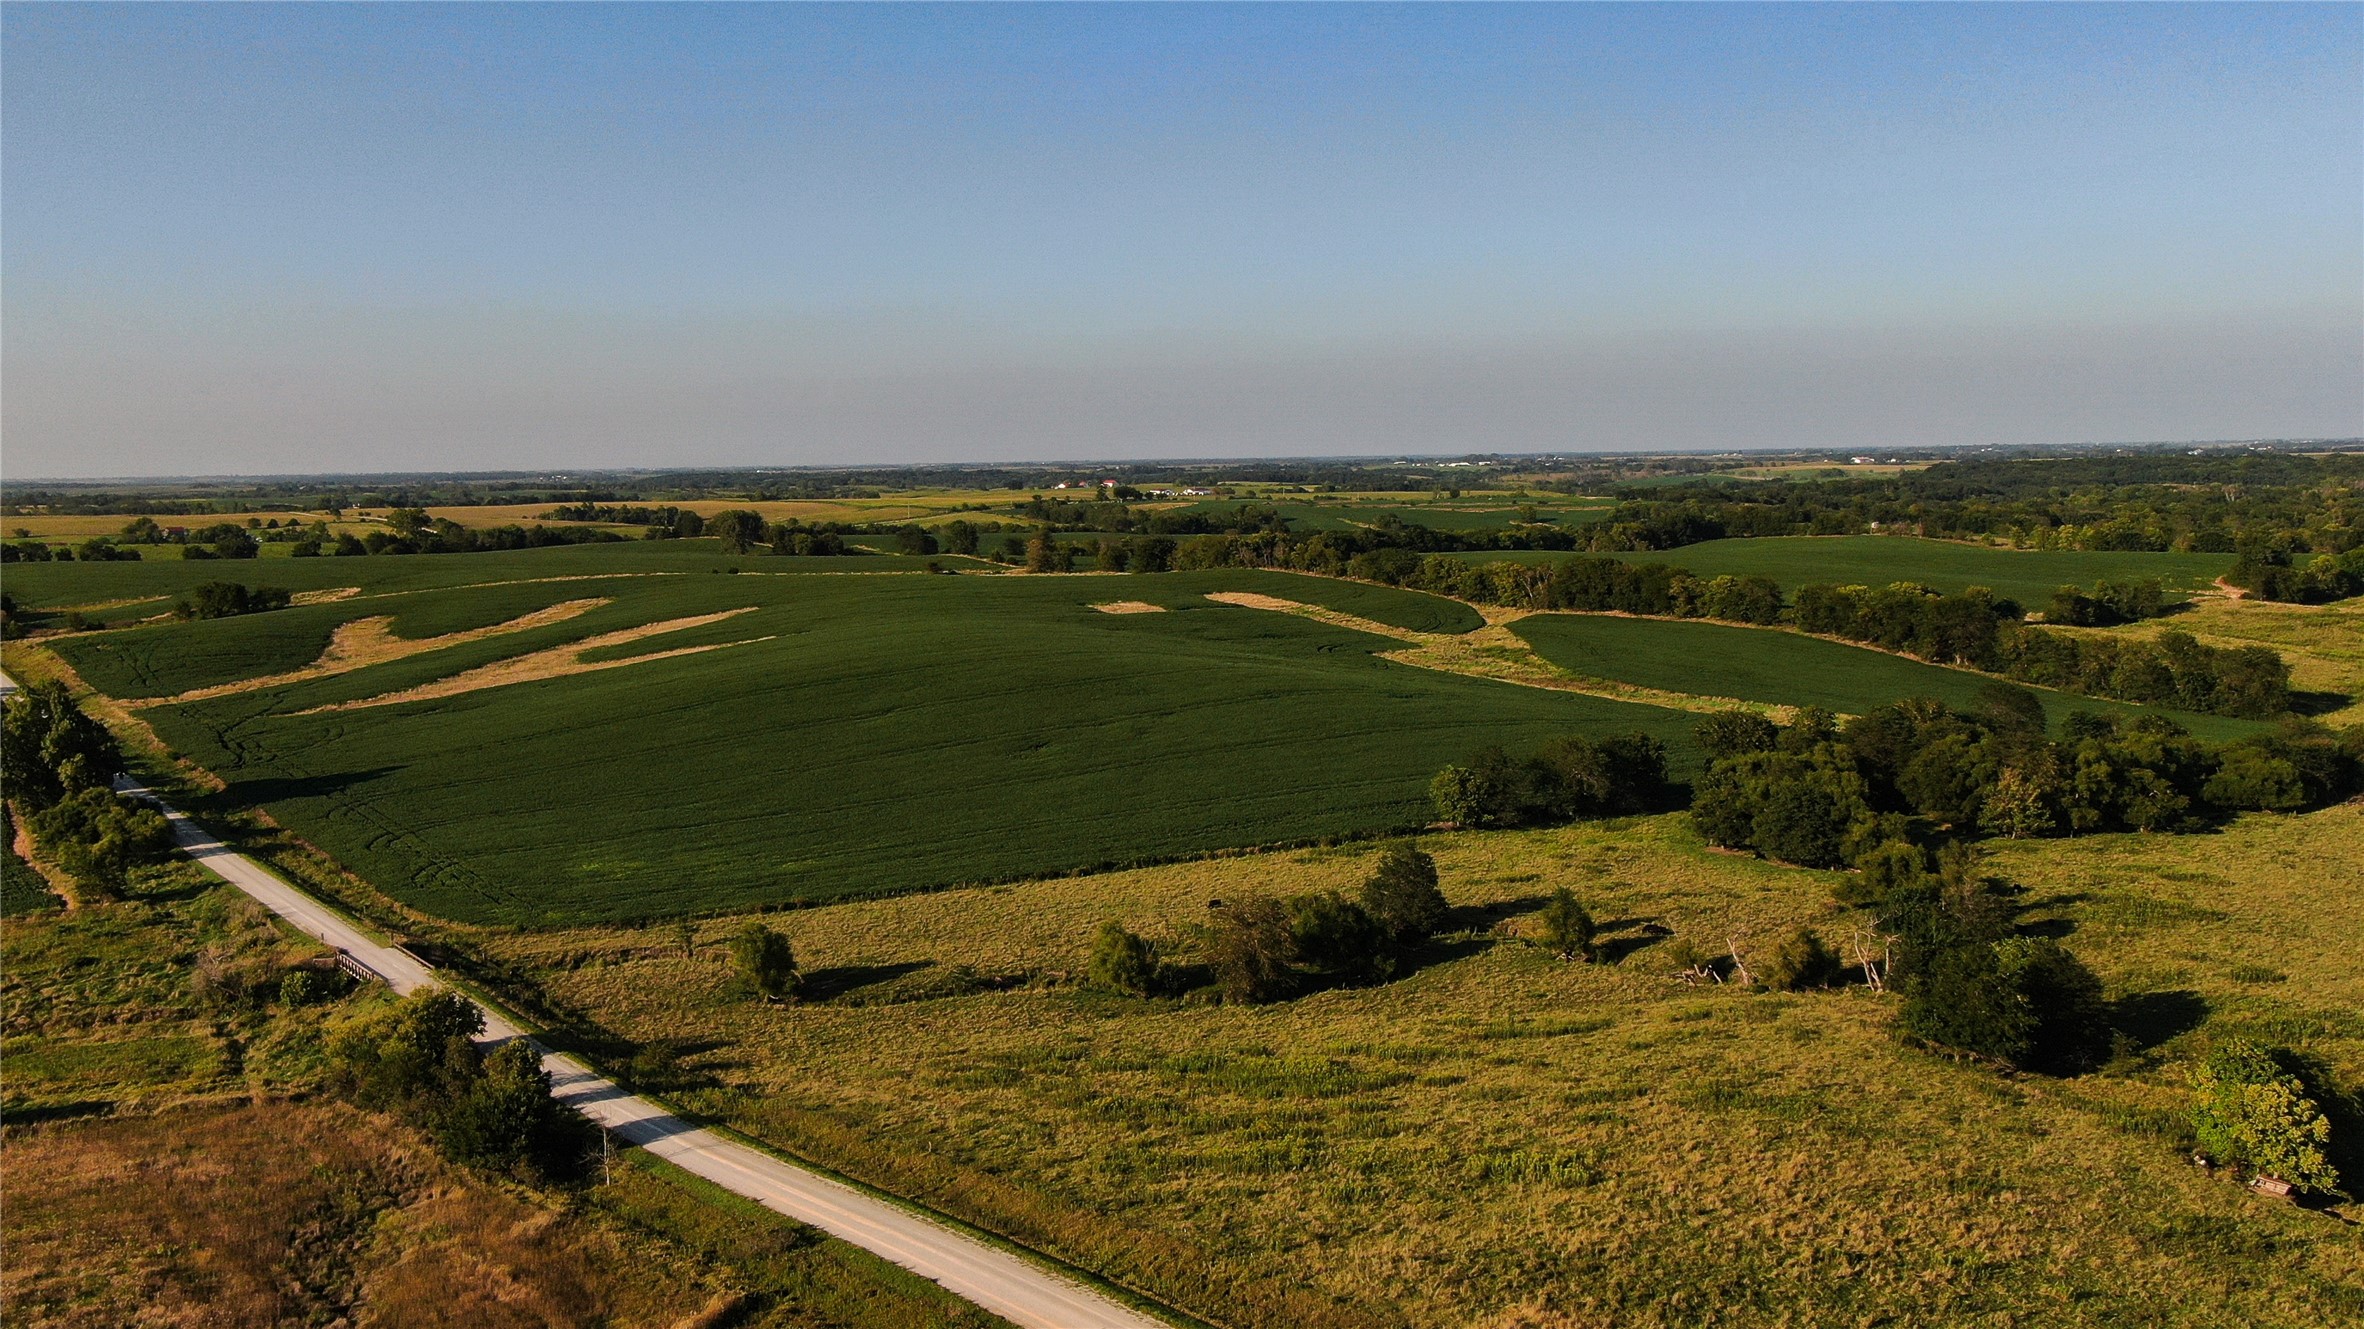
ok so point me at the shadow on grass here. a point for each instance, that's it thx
(276, 788)
(2152, 1018)
(2319, 703)
(837, 980)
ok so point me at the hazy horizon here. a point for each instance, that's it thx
(304, 240)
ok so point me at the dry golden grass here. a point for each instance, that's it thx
(1129, 607)
(371, 641)
(1500, 1138)
(556, 662)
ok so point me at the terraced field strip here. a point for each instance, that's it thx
(370, 641)
(1495, 652)
(556, 662)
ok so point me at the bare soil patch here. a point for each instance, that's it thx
(557, 662)
(1129, 607)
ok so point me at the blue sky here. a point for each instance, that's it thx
(265, 238)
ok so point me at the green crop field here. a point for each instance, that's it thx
(150, 585)
(1503, 1139)
(1491, 513)
(2028, 576)
(872, 734)
(1770, 665)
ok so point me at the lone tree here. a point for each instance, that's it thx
(768, 963)
(1123, 961)
(2247, 1109)
(1402, 893)
(1568, 927)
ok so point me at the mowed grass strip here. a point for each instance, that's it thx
(1787, 668)
(895, 733)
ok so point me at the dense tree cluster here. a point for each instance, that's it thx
(2275, 570)
(1566, 779)
(2108, 604)
(2214, 503)
(491, 1110)
(61, 766)
(1815, 794)
(663, 523)
(228, 599)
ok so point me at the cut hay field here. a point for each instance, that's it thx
(845, 735)
(1501, 1139)
(1788, 668)
(2028, 576)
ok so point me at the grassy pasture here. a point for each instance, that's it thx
(1769, 665)
(1502, 1139)
(892, 733)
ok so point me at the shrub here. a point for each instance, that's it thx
(2247, 1109)
(99, 836)
(766, 962)
(1801, 961)
(2025, 1002)
(1249, 947)
(1568, 927)
(1123, 961)
(1339, 939)
(1402, 893)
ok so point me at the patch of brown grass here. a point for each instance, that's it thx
(294, 1213)
(1129, 607)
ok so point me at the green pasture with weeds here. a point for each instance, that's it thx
(865, 734)
(1788, 668)
(1501, 1138)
